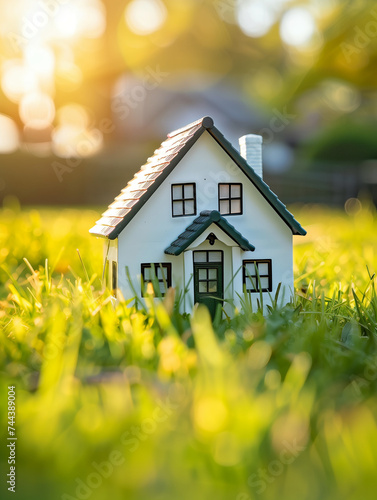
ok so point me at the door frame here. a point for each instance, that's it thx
(220, 280)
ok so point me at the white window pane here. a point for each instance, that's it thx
(212, 286)
(250, 268)
(215, 257)
(162, 287)
(235, 206)
(159, 272)
(200, 257)
(147, 274)
(178, 208)
(264, 283)
(224, 191)
(224, 207)
(263, 269)
(212, 274)
(189, 207)
(251, 283)
(202, 287)
(235, 191)
(189, 191)
(202, 274)
(177, 192)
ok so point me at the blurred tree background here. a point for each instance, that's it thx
(90, 87)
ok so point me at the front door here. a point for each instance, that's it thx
(208, 279)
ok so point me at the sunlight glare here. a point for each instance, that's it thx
(145, 16)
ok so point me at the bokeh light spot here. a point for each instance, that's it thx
(255, 17)
(37, 110)
(353, 206)
(73, 114)
(86, 18)
(210, 414)
(40, 59)
(341, 96)
(67, 21)
(259, 355)
(9, 137)
(74, 141)
(17, 80)
(272, 380)
(297, 27)
(95, 20)
(145, 16)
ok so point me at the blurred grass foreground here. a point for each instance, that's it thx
(118, 402)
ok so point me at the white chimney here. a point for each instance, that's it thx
(251, 150)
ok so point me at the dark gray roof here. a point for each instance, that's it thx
(158, 167)
(200, 224)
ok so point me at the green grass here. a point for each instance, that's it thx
(118, 403)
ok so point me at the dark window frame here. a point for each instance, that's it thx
(230, 198)
(165, 265)
(207, 252)
(208, 282)
(114, 275)
(245, 274)
(183, 200)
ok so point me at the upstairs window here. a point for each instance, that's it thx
(257, 275)
(159, 275)
(230, 199)
(183, 199)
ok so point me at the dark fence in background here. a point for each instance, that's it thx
(330, 188)
(95, 181)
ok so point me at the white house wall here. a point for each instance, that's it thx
(153, 228)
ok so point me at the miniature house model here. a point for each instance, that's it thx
(198, 216)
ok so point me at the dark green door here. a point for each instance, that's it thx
(208, 279)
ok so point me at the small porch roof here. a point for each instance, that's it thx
(199, 225)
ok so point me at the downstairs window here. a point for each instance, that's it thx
(159, 274)
(257, 275)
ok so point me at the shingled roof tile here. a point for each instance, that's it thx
(123, 204)
(116, 212)
(100, 230)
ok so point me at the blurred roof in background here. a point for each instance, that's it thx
(90, 87)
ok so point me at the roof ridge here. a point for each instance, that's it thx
(205, 122)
